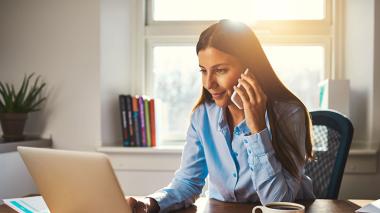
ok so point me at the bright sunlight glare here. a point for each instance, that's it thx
(247, 11)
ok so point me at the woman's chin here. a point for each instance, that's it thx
(221, 103)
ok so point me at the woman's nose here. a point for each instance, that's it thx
(209, 81)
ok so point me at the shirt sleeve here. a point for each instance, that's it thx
(189, 179)
(271, 180)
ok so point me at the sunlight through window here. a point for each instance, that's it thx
(297, 36)
(300, 68)
(177, 86)
(243, 10)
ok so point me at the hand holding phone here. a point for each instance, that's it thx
(235, 97)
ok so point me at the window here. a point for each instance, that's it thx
(300, 76)
(297, 37)
(176, 85)
(201, 10)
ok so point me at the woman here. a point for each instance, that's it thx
(254, 154)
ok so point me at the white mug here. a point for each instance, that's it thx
(280, 207)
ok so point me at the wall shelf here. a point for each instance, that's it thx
(141, 150)
(29, 141)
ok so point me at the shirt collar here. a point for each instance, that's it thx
(241, 128)
(222, 119)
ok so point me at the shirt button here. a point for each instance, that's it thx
(249, 151)
(251, 168)
(248, 134)
(234, 174)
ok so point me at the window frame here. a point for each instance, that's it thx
(149, 33)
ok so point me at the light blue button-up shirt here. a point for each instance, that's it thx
(240, 168)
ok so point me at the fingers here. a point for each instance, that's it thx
(242, 94)
(252, 81)
(141, 207)
(137, 206)
(132, 202)
(248, 90)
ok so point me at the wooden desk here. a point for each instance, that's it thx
(316, 206)
(213, 206)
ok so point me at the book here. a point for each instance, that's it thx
(124, 123)
(142, 121)
(136, 120)
(28, 204)
(152, 112)
(147, 123)
(371, 207)
(130, 120)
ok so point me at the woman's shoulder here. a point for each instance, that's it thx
(204, 109)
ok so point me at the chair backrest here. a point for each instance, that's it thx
(332, 136)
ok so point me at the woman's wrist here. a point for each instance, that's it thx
(257, 125)
(256, 129)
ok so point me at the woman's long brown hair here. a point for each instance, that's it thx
(238, 40)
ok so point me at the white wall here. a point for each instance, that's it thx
(359, 61)
(376, 77)
(116, 73)
(361, 186)
(59, 40)
(82, 50)
(362, 52)
(15, 180)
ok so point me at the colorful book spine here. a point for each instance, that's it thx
(136, 120)
(147, 123)
(124, 123)
(152, 122)
(130, 120)
(142, 121)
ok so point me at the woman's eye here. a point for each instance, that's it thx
(220, 70)
(202, 71)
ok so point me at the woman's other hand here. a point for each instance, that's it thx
(146, 205)
(254, 102)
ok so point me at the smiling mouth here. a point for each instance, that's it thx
(218, 95)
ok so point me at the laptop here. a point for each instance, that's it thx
(73, 181)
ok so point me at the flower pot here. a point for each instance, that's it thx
(13, 125)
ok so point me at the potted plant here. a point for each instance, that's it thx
(15, 106)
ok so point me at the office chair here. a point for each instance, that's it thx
(332, 135)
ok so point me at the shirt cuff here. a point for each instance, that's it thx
(259, 143)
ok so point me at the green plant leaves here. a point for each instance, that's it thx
(25, 99)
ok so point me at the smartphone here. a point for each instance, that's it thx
(235, 97)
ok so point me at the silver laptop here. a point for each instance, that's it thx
(73, 181)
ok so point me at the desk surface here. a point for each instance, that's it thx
(210, 206)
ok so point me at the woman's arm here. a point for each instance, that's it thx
(189, 179)
(272, 181)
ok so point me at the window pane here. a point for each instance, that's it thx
(300, 68)
(289, 9)
(177, 81)
(244, 10)
(177, 86)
